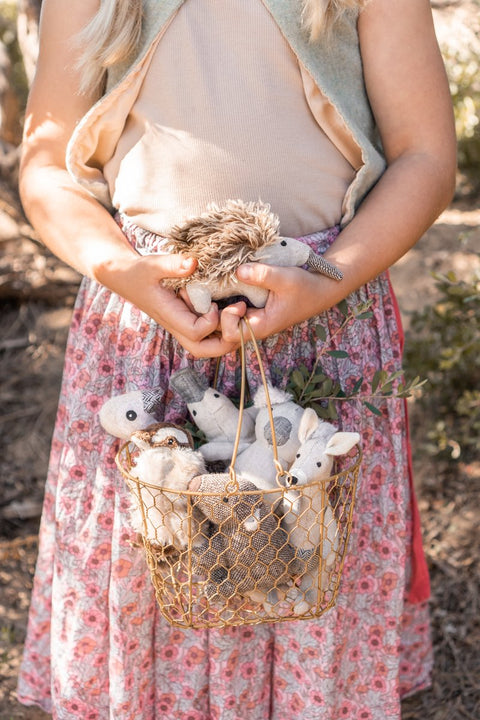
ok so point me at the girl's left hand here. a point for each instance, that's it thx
(294, 296)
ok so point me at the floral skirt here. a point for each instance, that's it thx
(97, 646)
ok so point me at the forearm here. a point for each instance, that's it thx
(406, 200)
(81, 232)
(71, 223)
(409, 96)
(401, 207)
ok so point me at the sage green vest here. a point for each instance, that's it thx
(335, 66)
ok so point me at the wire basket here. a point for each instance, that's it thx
(239, 555)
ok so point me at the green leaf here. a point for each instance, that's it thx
(378, 379)
(372, 408)
(319, 378)
(410, 387)
(357, 386)
(320, 332)
(415, 382)
(331, 413)
(298, 379)
(321, 411)
(343, 307)
(364, 315)
(338, 353)
(328, 387)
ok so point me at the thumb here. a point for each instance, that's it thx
(257, 274)
(175, 265)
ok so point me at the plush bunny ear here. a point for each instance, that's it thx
(341, 443)
(308, 424)
(152, 399)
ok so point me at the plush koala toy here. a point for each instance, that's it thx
(166, 461)
(223, 238)
(247, 552)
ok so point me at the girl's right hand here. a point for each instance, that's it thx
(139, 280)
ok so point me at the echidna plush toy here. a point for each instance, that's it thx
(222, 238)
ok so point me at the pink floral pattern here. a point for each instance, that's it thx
(97, 647)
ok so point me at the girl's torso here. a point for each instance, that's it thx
(226, 111)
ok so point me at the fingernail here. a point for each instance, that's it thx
(244, 272)
(187, 263)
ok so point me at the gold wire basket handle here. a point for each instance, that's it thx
(232, 485)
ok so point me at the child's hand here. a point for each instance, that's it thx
(294, 295)
(140, 282)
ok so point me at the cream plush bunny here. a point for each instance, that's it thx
(309, 519)
(214, 414)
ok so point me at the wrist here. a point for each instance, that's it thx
(110, 266)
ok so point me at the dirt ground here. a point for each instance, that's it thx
(36, 296)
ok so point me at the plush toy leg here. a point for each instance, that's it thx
(201, 295)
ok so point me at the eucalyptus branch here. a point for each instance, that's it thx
(359, 312)
(316, 390)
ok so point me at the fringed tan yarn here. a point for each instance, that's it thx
(221, 239)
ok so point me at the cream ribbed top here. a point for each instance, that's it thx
(225, 111)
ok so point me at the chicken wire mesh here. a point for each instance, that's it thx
(239, 555)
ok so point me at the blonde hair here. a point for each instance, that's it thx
(115, 30)
(319, 16)
(110, 37)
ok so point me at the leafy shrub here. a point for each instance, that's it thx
(460, 46)
(314, 389)
(443, 345)
(8, 36)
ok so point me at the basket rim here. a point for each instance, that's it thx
(124, 448)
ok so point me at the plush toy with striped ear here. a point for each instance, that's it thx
(164, 458)
(122, 415)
